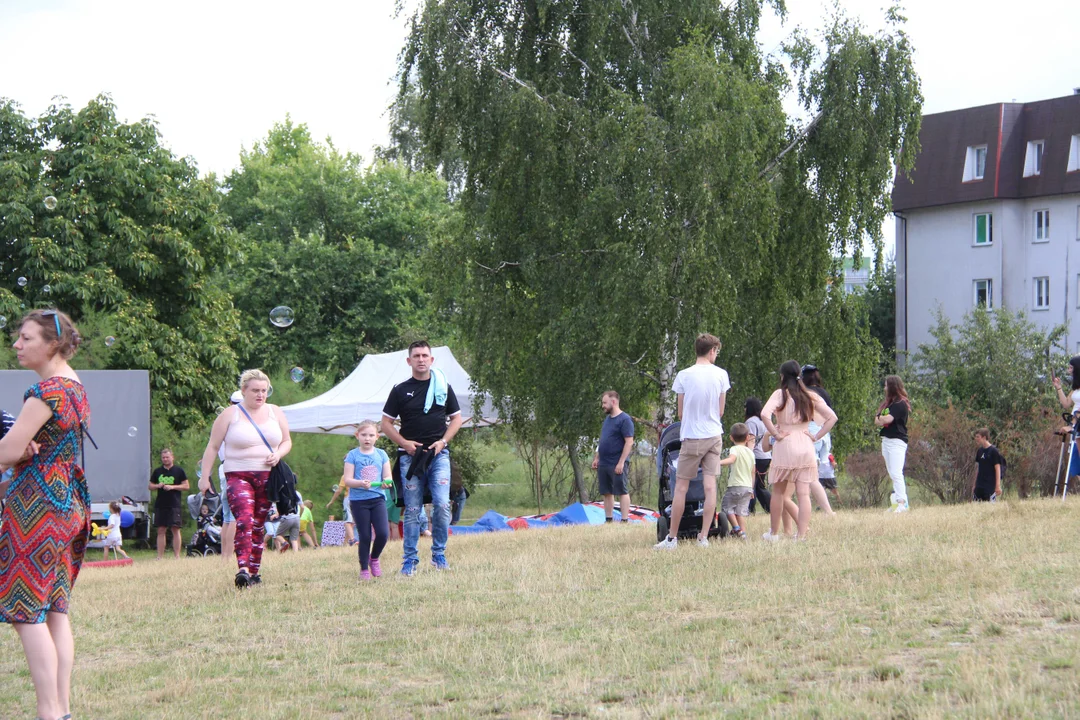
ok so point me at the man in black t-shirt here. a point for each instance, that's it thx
(424, 403)
(987, 485)
(170, 481)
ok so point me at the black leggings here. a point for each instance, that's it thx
(367, 514)
(761, 485)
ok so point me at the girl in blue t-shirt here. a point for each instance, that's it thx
(365, 466)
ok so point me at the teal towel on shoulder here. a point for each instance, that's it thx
(436, 390)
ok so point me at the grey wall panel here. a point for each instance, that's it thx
(119, 400)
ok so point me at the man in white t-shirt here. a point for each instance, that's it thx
(702, 390)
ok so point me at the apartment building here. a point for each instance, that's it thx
(990, 215)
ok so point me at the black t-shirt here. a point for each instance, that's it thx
(168, 499)
(821, 391)
(407, 400)
(897, 429)
(987, 458)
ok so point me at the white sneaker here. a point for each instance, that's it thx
(703, 542)
(902, 506)
(668, 543)
(767, 536)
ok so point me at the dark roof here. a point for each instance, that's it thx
(1005, 129)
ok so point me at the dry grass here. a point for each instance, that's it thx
(966, 611)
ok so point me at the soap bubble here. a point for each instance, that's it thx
(21, 282)
(218, 410)
(282, 316)
(50, 203)
(3, 322)
(297, 374)
(269, 392)
(109, 341)
(133, 431)
(46, 289)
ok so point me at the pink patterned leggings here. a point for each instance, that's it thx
(248, 502)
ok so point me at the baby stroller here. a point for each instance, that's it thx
(667, 460)
(207, 539)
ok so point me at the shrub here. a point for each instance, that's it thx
(868, 482)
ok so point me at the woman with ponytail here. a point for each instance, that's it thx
(794, 462)
(892, 417)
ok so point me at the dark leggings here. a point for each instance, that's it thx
(367, 514)
(761, 485)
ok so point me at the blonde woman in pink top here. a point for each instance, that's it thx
(247, 466)
(794, 462)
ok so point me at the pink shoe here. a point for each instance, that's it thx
(376, 569)
(365, 575)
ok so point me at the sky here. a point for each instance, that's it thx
(217, 75)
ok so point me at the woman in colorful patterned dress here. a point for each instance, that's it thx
(46, 522)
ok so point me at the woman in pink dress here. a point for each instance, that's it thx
(794, 462)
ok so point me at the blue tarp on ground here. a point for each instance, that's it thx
(576, 514)
(490, 521)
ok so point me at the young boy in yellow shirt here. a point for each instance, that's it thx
(740, 487)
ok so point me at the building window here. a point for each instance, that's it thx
(984, 293)
(1033, 159)
(1042, 225)
(1074, 154)
(1042, 293)
(984, 228)
(975, 163)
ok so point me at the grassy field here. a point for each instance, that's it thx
(958, 611)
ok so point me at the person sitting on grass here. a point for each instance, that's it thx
(740, 487)
(307, 525)
(288, 532)
(987, 485)
(114, 539)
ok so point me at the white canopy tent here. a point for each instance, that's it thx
(363, 393)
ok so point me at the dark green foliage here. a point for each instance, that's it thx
(339, 244)
(624, 186)
(133, 243)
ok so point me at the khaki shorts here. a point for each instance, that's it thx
(703, 453)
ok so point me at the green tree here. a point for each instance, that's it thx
(630, 179)
(338, 243)
(995, 363)
(131, 246)
(880, 298)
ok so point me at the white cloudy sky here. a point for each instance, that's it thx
(217, 74)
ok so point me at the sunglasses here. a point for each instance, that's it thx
(56, 319)
(808, 368)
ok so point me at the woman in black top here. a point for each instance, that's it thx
(892, 418)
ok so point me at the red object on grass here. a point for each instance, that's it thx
(108, 563)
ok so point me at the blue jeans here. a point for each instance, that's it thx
(437, 480)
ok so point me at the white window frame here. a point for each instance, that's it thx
(1041, 225)
(975, 229)
(989, 292)
(972, 171)
(1033, 158)
(1040, 293)
(1074, 154)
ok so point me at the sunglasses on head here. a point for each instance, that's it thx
(56, 319)
(808, 368)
